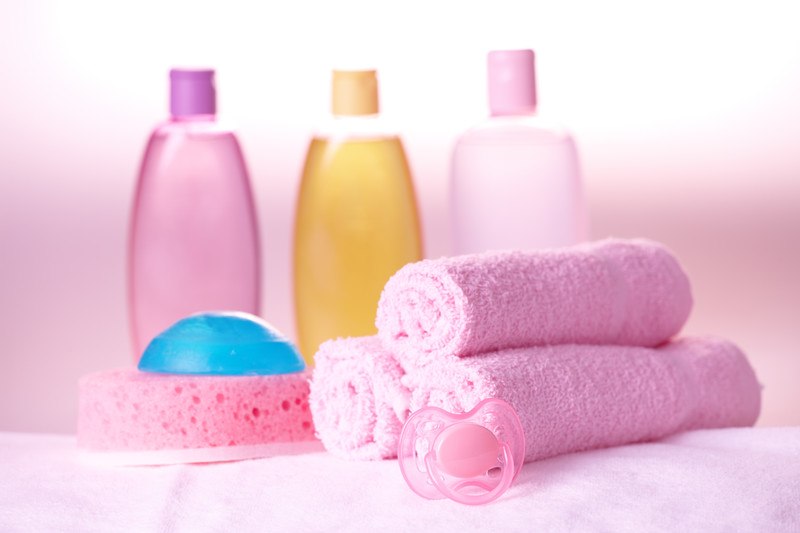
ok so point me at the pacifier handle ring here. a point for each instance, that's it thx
(505, 481)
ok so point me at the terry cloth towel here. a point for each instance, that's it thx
(356, 392)
(625, 292)
(568, 397)
(709, 481)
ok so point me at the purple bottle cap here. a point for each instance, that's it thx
(512, 82)
(192, 92)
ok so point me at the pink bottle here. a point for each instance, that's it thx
(193, 243)
(515, 181)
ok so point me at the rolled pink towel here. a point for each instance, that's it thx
(579, 397)
(357, 398)
(625, 292)
(568, 397)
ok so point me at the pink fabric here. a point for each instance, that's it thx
(568, 397)
(711, 481)
(357, 397)
(578, 397)
(627, 292)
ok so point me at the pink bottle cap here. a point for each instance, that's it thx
(471, 458)
(512, 82)
(192, 92)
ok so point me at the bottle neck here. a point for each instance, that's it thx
(193, 118)
(356, 127)
(356, 119)
(521, 112)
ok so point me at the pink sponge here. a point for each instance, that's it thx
(131, 417)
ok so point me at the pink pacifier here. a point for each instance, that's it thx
(471, 458)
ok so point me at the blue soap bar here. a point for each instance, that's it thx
(221, 343)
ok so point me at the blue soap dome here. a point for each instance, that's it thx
(221, 343)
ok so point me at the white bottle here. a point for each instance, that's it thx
(515, 180)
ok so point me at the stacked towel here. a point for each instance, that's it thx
(567, 337)
(625, 292)
(568, 397)
(356, 394)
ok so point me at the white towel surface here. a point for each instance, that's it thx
(709, 480)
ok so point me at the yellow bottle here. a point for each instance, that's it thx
(356, 221)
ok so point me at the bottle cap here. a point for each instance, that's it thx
(355, 92)
(192, 92)
(512, 82)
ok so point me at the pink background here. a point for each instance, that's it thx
(687, 117)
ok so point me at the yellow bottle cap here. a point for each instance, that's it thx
(355, 92)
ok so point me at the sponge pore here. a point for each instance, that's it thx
(211, 418)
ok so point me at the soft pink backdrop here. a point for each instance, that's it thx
(687, 117)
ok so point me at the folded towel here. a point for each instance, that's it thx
(568, 397)
(626, 292)
(357, 395)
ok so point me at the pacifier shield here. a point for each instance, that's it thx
(471, 458)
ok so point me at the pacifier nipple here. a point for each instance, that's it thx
(466, 450)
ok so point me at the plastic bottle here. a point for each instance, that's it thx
(515, 179)
(356, 220)
(193, 242)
